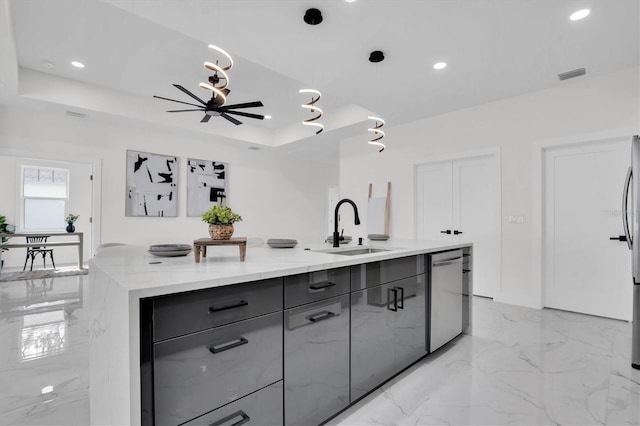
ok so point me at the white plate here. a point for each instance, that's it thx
(169, 247)
(170, 253)
(282, 245)
(378, 237)
(282, 241)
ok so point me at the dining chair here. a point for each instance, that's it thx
(33, 251)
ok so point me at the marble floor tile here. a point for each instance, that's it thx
(521, 366)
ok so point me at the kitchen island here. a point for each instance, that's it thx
(125, 279)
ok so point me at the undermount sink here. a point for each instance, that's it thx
(354, 251)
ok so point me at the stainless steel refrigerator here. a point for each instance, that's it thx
(631, 212)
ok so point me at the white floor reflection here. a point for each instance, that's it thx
(43, 335)
(44, 352)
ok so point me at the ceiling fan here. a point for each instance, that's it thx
(216, 105)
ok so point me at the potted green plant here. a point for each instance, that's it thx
(220, 220)
(5, 228)
(71, 218)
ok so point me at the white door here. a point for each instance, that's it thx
(459, 201)
(78, 202)
(584, 270)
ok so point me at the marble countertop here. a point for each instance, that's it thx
(144, 275)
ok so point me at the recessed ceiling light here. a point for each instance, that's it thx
(267, 117)
(77, 64)
(46, 389)
(440, 65)
(579, 14)
(350, 1)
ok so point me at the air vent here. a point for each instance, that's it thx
(76, 114)
(571, 74)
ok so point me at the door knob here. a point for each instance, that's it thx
(448, 231)
(619, 238)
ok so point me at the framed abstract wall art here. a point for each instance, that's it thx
(206, 185)
(152, 185)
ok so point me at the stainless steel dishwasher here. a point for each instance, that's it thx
(445, 274)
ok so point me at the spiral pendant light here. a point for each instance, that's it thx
(219, 81)
(377, 133)
(313, 109)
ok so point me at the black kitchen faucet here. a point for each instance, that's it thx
(336, 234)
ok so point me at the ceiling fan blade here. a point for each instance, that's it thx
(231, 119)
(185, 110)
(205, 119)
(244, 105)
(177, 86)
(244, 114)
(173, 100)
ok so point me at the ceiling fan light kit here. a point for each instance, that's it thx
(225, 54)
(217, 85)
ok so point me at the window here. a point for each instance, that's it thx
(45, 193)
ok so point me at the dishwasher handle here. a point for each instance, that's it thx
(444, 262)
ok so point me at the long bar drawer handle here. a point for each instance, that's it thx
(321, 316)
(401, 289)
(244, 418)
(224, 308)
(464, 271)
(321, 286)
(216, 349)
(395, 299)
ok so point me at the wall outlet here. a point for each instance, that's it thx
(516, 219)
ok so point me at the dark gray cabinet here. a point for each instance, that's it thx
(178, 314)
(388, 331)
(209, 348)
(372, 339)
(261, 408)
(293, 350)
(316, 347)
(313, 286)
(202, 371)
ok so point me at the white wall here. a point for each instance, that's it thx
(515, 125)
(278, 195)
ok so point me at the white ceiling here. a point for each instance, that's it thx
(134, 49)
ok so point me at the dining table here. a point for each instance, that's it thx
(77, 241)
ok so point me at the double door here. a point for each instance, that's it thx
(388, 331)
(459, 201)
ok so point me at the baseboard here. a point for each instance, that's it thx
(525, 300)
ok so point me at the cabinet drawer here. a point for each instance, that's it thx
(262, 408)
(306, 288)
(316, 361)
(202, 371)
(179, 314)
(376, 273)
